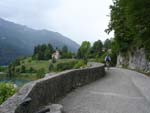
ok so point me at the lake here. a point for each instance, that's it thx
(18, 82)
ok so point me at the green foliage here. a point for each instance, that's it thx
(96, 49)
(64, 49)
(65, 53)
(2, 69)
(31, 70)
(84, 50)
(41, 73)
(80, 64)
(130, 20)
(66, 64)
(23, 69)
(6, 91)
(11, 71)
(107, 44)
(51, 67)
(43, 52)
(16, 62)
(53, 60)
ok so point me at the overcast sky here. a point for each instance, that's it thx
(77, 19)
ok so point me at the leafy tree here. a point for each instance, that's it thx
(43, 52)
(11, 70)
(17, 62)
(10, 74)
(65, 53)
(107, 44)
(96, 50)
(31, 70)
(130, 20)
(84, 50)
(64, 49)
(123, 33)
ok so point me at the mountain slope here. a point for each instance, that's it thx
(18, 40)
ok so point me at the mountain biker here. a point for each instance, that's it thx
(107, 61)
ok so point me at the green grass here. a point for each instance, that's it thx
(39, 64)
(41, 67)
(35, 64)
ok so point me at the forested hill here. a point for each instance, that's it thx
(18, 40)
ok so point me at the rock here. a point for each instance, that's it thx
(134, 60)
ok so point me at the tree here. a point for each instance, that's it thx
(23, 69)
(130, 20)
(96, 50)
(43, 52)
(84, 50)
(11, 70)
(64, 49)
(65, 53)
(107, 44)
(10, 74)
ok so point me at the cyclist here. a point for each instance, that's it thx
(107, 61)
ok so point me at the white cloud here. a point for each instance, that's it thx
(78, 19)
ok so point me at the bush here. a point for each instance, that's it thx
(61, 66)
(40, 73)
(30, 60)
(80, 64)
(6, 91)
(31, 70)
(65, 65)
(2, 69)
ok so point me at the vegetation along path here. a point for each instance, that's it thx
(120, 91)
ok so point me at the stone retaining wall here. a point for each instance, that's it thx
(33, 96)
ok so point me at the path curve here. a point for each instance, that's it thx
(120, 91)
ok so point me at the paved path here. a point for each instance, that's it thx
(120, 91)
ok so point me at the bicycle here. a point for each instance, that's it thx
(107, 65)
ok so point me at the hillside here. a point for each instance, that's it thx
(18, 40)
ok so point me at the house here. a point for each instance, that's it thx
(56, 55)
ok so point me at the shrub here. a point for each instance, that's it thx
(6, 91)
(67, 64)
(61, 66)
(30, 60)
(2, 69)
(80, 64)
(31, 70)
(40, 73)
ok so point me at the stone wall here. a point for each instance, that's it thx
(134, 60)
(33, 96)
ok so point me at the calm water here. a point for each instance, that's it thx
(18, 82)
